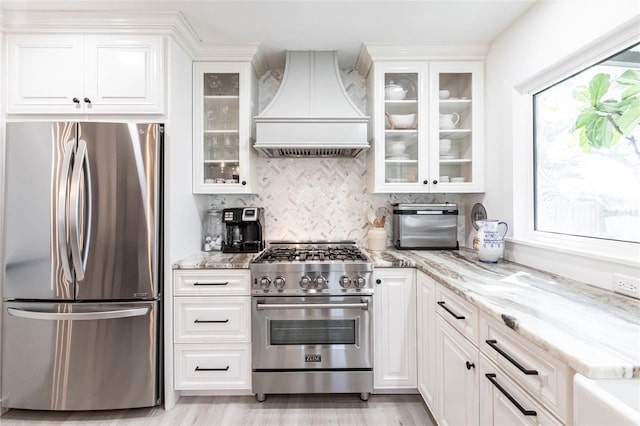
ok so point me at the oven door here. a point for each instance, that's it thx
(312, 333)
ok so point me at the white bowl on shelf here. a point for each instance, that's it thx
(444, 94)
(457, 179)
(396, 148)
(401, 121)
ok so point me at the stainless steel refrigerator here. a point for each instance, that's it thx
(82, 265)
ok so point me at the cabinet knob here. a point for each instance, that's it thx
(76, 100)
(87, 100)
(244, 182)
(378, 281)
(426, 182)
(435, 181)
(470, 365)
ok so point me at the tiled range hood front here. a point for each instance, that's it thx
(311, 115)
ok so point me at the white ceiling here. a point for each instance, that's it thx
(321, 24)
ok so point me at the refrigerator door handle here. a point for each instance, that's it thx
(86, 316)
(63, 192)
(80, 224)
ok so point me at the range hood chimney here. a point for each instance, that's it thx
(311, 115)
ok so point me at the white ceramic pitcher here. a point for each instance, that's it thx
(449, 121)
(489, 242)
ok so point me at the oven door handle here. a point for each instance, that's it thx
(265, 306)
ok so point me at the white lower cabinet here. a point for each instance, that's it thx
(535, 379)
(426, 323)
(394, 328)
(213, 367)
(457, 377)
(474, 370)
(212, 331)
(504, 403)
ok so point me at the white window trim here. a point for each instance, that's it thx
(611, 252)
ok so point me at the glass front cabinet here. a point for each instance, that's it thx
(223, 160)
(427, 127)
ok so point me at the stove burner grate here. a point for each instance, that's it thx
(310, 254)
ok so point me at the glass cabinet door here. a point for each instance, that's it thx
(220, 118)
(402, 112)
(457, 127)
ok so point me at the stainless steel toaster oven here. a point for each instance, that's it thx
(425, 226)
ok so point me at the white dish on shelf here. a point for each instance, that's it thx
(396, 180)
(401, 121)
(398, 157)
(457, 179)
(396, 147)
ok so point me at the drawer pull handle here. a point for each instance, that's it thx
(494, 345)
(470, 365)
(212, 369)
(492, 379)
(199, 283)
(456, 316)
(211, 321)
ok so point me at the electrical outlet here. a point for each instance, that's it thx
(625, 284)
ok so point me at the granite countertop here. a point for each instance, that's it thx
(216, 260)
(594, 331)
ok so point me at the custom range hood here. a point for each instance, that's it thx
(311, 115)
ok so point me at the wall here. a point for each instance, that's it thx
(549, 33)
(311, 199)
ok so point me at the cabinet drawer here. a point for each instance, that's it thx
(530, 366)
(462, 315)
(212, 282)
(212, 319)
(203, 367)
(504, 402)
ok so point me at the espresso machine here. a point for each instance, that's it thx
(243, 230)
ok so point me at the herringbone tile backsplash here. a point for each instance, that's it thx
(321, 199)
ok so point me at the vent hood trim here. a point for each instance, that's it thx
(311, 114)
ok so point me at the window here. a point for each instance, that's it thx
(587, 152)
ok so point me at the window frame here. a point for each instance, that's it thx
(524, 233)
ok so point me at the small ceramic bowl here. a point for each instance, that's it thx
(402, 121)
(444, 94)
(396, 147)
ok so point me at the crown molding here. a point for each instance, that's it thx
(374, 52)
(169, 23)
(233, 53)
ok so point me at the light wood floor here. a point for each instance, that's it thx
(298, 410)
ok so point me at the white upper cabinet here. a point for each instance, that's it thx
(401, 151)
(427, 127)
(223, 100)
(455, 127)
(58, 74)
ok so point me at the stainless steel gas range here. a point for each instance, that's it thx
(311, 319)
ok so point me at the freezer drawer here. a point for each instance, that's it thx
(79, 356)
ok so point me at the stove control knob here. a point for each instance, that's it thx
(265, 282)
(319, 281)
(345, 281)
(359, 281)
(305, 282)
(279, 282)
